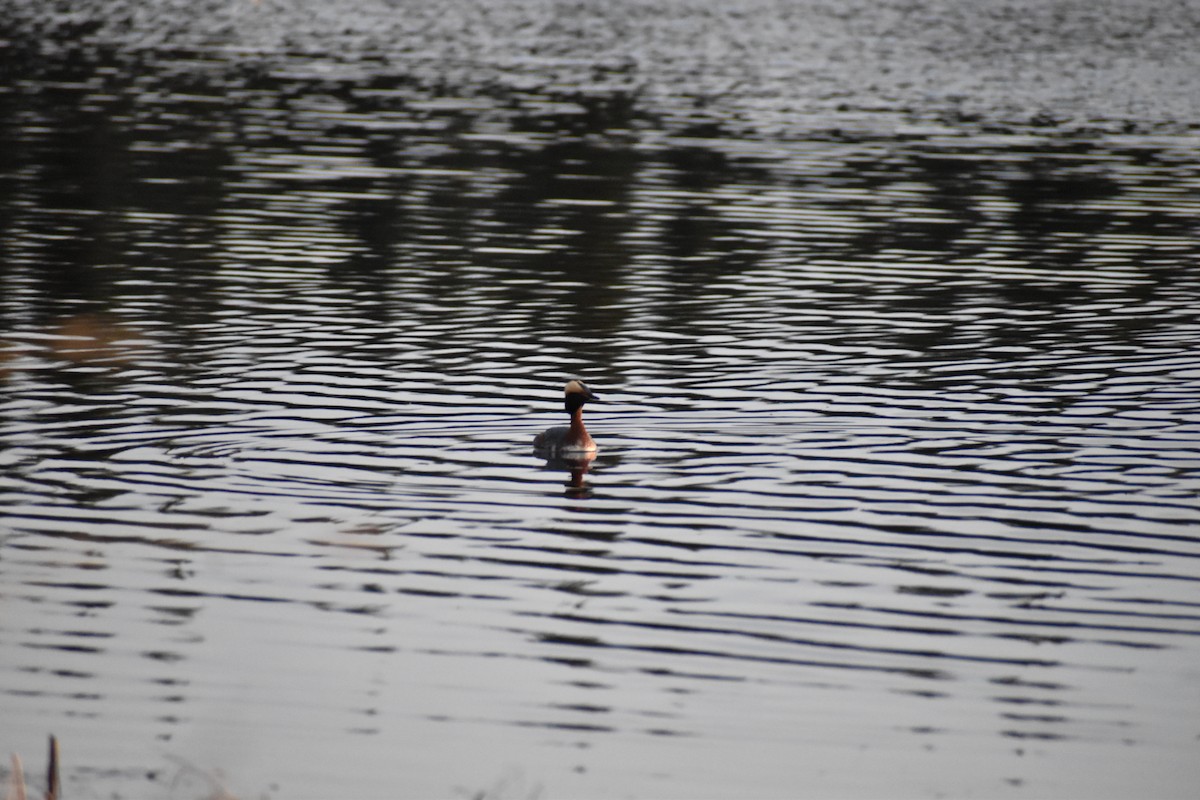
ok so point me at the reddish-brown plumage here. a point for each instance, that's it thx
(573, 437)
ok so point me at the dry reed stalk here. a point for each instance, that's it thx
(16, 781)
(53, 786)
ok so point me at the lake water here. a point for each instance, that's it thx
(895, 317)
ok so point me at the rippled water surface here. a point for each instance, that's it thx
(897, 490)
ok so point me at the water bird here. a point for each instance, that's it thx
(573, 438)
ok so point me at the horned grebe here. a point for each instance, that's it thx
(571, 438)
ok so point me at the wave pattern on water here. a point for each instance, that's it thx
(899, 448)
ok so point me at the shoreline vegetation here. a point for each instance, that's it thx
(17, 789)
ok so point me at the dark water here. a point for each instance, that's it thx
(898, 333)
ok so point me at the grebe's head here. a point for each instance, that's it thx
(580, 389)
(577, 393)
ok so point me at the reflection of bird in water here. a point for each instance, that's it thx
(577, 464)
(569, 440)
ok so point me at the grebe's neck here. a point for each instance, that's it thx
(578, 433)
